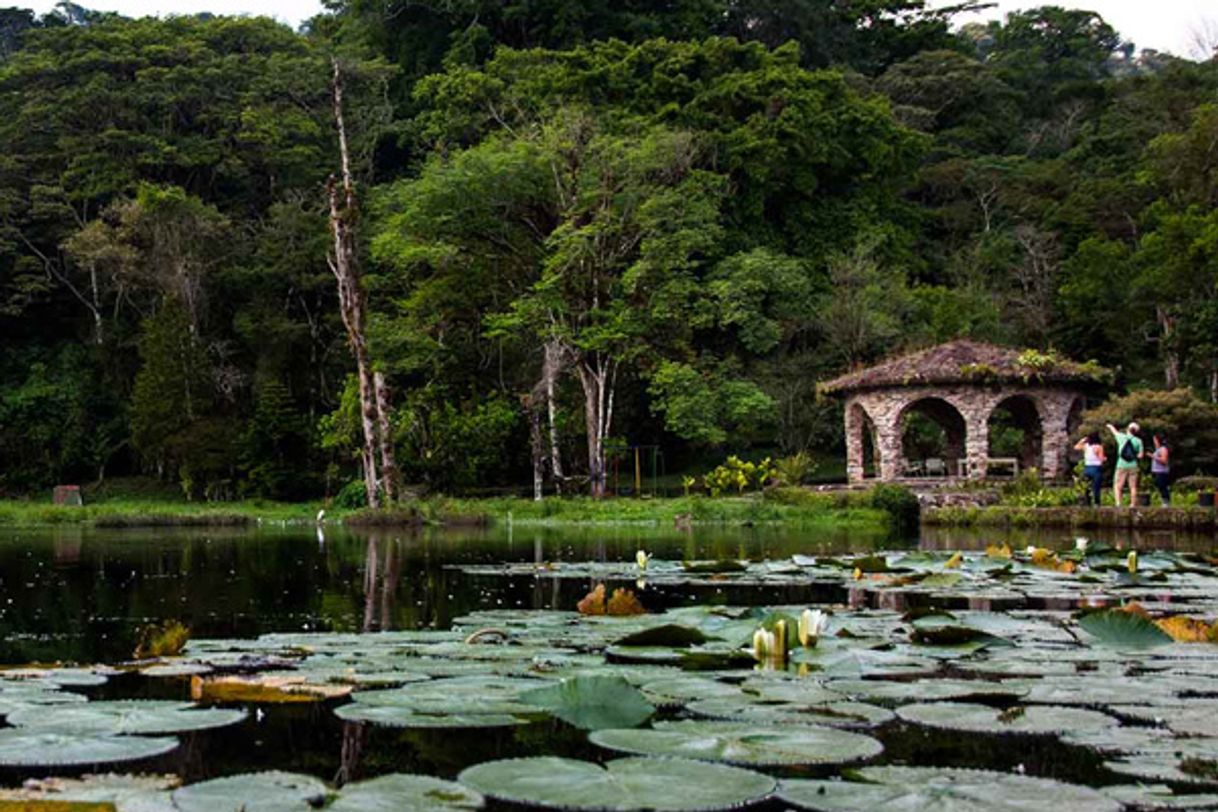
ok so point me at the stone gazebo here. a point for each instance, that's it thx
(960, 386)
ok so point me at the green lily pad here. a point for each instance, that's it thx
(254, 792)
(830, 714)
(1117, 628)
(664, 785)
(1197, 718)
(751, 745)
(1029, 720)
(456, 695)
(1159, 797)
(926, 690)
(127, 793)
(943, 789)
(34, 748)
(799, 691)
(124, 717)
(405, 793)
(592, 702)
(678, 690)
(398, 716)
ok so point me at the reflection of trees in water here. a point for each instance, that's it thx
(382, 568)
(355, 739)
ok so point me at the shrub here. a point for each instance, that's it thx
(795, 469)
(738, 474)
(1196, 484)
(900, 503)
(352, 496)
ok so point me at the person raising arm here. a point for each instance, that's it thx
(1129, 451)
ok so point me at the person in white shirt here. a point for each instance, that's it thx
(1093, 464)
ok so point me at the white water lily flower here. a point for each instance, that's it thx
(811, 625)
(1080, 544)
(770, 646)
(1031, 549)
(641, 558)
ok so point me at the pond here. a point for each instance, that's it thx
(930, 662)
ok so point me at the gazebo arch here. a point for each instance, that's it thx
(947, 418)
(960, 385)
(861, 432)
(1020, 413)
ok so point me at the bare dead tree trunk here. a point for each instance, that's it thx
(370, 579)
(1167, 345)
(536, 443)
(598, 377)
(345, 266)
(389, 466)
(1214, 381)
(552, 365)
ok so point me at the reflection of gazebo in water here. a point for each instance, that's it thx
(951, 403)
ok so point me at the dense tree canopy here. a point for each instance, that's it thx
(584, 225)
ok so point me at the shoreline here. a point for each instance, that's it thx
(1192, 519)
(786, 508)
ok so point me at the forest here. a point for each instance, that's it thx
(578, 227)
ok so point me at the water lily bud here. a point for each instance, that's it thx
(780, 639)
(811, 624)
(1031, 550)
(760, 648)
(1080, 544)
(1131, 561)
(641, 558)
(858, 574)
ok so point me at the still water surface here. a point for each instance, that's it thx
(79, 594)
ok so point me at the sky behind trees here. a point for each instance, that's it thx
(1170, 25)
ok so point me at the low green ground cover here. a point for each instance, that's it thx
(792, 507)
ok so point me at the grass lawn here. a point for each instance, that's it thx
(129, 507)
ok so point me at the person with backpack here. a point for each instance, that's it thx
(1129, 451)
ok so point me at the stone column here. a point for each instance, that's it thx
(976, 412)
(855, 426)
(888, 445)
(1055, 434)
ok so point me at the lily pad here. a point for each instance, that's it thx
(592, 702)
(752, 745)
(457, 695)
(398, 716)
(677, 690)
(124, 717)
(664, 785)
(831, 714)
(405, 793)
(945, 789)
(255, 792)
(34, 748)
(1159, 797)
(1029, 720)
(926, 690)
(1117, 628)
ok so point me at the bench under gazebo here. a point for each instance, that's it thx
(962, 387)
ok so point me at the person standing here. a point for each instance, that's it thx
(1129, 452)
(1093, 465)
(1160, 469)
